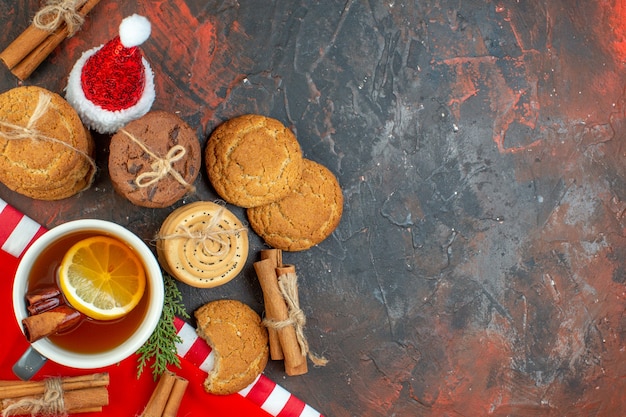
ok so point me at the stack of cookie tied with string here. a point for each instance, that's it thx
(46, 153)
(256, 162)
(154, 160)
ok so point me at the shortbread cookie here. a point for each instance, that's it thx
(304, 218)
(154, 160)
(239, 340)
(253, 160)
(45, 151)
(202, 244)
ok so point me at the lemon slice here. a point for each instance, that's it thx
(102, 278)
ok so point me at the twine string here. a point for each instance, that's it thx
(28, 131)
(42, 107)
(288, 284)
(55, 12)
(211, 233)
(17, 132)
(161, 167)
(50, 403)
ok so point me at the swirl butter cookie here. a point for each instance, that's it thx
(154, 160)
(202, 244)
(45, 151)
(306, 216)
(253, 160)
(239, 340)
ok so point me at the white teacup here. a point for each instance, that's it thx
(28, 366)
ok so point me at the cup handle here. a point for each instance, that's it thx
(28, 365)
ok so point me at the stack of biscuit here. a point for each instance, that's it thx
(154, 160)
(255, 162)
(45, 151)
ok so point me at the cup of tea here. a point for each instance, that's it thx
(88, 343)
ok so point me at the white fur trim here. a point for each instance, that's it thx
(134, 30)
(94, 116)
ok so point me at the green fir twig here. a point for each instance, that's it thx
(161, 346)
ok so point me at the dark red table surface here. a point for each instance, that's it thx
(479, 267)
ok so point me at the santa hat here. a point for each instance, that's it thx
(112, 84)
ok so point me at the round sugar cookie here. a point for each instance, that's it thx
(154, 160)
(253, 160)
(240, 343)
(202, 244)
(45, 151)
(305, 217)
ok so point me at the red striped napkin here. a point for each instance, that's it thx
(127, 393)
(270, 396)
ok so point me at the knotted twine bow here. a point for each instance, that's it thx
(288, 284)
(210, 233)
(51, 403)
(161, 167)
(50, 17)
(17, 132)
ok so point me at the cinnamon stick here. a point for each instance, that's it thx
(43, 299)
(176, 397)
(44, 305)
(81, 394)
(34, 45)
(31, 62)
(14, 389)
(282, 270)
(42, 294)
(85, 398)
(166, 397)
(276, 351)
(285, 269)
(77, 401)
(275, 254)
(295, 360)
(158, 399)
(288, 284)
(26, 42)
(57, 320)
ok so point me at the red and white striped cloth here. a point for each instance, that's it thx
(17, 231)
(263, 392)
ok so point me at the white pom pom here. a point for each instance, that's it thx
(134, 30)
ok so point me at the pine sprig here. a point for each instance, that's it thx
(161, 346)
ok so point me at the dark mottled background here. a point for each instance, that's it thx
(479, 265)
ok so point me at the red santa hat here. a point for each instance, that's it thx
(112, 84)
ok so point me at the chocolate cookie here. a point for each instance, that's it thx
(45, 151)
(202, 244)
(305, 217)
(154, 160)
(253, 160)
(239, 340)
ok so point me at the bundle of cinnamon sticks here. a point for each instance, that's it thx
(167, 396)
(283, 317)
(34, 44)
(80, 394)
